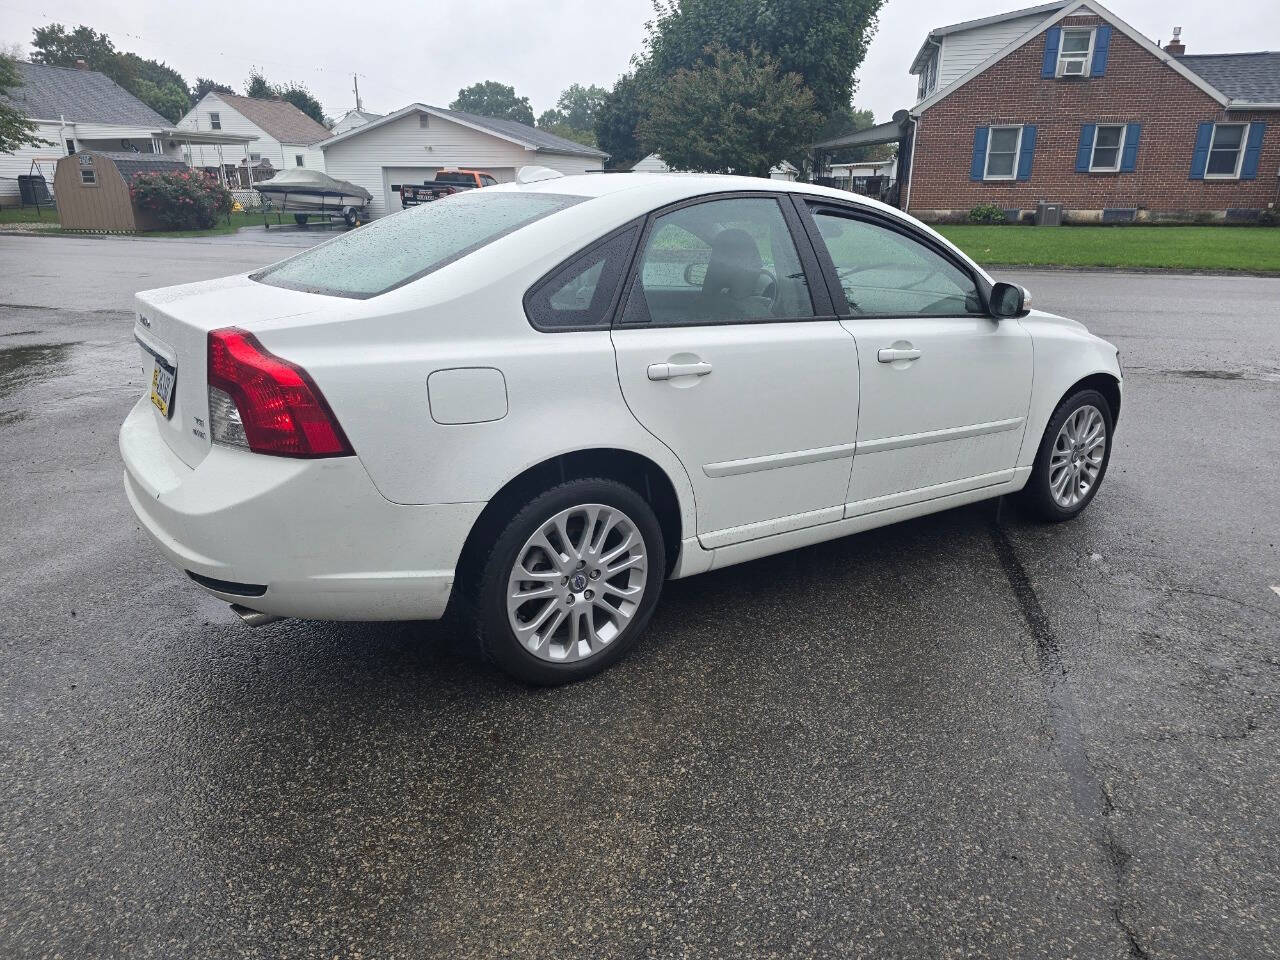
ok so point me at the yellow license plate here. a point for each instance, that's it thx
(162, 378)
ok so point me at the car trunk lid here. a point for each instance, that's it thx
(172, 327)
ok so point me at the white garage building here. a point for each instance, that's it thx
(410, 145)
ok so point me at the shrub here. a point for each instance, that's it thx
(181, 199)
(987, 213)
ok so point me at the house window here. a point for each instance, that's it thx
(424, 121)
(1076, 53)
(1108, 147)
(1226, 150)
(71, 147)
(215, 121)
(88, 177)
(255, 157)
(1003, 145)
(297, 159)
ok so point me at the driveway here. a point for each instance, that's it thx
(967, 735)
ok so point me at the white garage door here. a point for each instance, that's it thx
(392, 177)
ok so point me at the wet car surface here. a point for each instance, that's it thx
(1064, 743)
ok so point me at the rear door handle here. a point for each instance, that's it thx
(669, 371)
(890, 354)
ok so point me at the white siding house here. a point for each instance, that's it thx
(286, 137)
(653, 163)
(75, 110)
(948, 53)
(352, 119)
(410, 145)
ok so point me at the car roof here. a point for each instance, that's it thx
(658, 189)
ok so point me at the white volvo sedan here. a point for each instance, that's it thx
(541, 400)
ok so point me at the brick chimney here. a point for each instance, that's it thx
(81, 65)
(1175, 47)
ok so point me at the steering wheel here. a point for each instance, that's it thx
(769, 290)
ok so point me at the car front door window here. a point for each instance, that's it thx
(887, 274)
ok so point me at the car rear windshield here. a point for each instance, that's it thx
(395, 250)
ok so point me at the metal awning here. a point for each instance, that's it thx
(890, 132)
(207, 137)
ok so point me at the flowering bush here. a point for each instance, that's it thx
(181, 199)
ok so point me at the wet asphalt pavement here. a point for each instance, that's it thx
(967, 735)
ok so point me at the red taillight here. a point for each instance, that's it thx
(282, 410)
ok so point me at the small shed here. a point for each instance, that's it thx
(92, 188)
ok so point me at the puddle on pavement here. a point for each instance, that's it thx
(1264, 375)
(22, 366)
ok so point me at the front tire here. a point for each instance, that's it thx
(1073, 456)
(570, 583)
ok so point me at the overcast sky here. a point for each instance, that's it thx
(405, 51)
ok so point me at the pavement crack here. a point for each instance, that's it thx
(1090, 793)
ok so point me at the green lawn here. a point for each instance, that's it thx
(1253, 249)
(238, 220)
(28, 215)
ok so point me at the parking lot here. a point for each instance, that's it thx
(967, 735)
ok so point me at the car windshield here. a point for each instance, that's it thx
(395, 250)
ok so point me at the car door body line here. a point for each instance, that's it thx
(938, 436)
(733, 468)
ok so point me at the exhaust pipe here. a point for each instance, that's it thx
(252, 617)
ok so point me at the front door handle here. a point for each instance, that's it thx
(890, 354)
(669, 371)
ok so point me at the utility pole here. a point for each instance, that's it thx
(355, 84)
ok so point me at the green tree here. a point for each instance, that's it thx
(824, 41)
(616, 120)
(493, 99)
(576, 110)
(204, 86)
(738, 113)
(15, 129)
(258, 87)
(156, 84)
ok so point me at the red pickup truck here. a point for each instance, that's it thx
(446, 182)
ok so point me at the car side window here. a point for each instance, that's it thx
(720, 261)
(887, 273)
(580, 294)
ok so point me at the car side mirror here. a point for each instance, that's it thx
(1008, 300)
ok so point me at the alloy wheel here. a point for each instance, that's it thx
(1075, 464)
(577, 583)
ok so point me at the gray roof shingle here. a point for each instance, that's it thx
(1251, 77)
(50, 93)
(130, 164)
(539, 139)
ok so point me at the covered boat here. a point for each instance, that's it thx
(310, 191)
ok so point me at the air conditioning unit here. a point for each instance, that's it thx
(1073, 68)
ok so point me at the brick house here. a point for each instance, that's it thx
(1066, 103)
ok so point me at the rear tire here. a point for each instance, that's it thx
(570, 583)
(1073, 457)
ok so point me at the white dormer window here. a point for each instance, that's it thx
(1075, 56)
(215, 122)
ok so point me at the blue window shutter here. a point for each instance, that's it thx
(1028, 151)
(1200, 159)
(1101, 50)
(1129, 160)
(1084, 153)
(1253, 151)
(1052, 40)
(979, 167)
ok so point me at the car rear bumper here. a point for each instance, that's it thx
(315, 533)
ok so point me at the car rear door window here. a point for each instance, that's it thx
(581, 294)
(720, 261)
(397, 249)
(887, 273)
